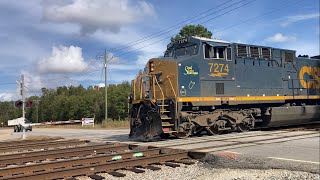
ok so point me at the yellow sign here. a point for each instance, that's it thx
(190, 71)
(314, 73)
(218, 70)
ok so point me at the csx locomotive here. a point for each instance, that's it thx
(216, 86)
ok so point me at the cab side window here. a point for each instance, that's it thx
(215, 52)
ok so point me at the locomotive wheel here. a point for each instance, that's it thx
(217, 127)
(187, 129)
(246, 125)
(184, 131)
(215, 130)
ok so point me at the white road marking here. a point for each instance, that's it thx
(294, 160)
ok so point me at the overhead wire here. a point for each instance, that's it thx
(144, 39)
(165, 30)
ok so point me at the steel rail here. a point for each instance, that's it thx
(9, 143)
(39, 142)
(42, 146)
(37, 156)
(44, 152)
(92, 169)
(85, 161)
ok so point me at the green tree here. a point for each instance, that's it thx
(73, 102)
(192, 30)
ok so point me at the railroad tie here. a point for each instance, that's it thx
(96, 177)
(116, 174)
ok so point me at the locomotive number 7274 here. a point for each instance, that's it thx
(218, 70)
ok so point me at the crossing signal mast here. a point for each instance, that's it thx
(21, 103)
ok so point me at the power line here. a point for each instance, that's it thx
(152, 36)
(129, 51)
(136, 42)
(171, 35)
(7, 83)
(85, 71)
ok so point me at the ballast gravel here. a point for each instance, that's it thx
(202, 171)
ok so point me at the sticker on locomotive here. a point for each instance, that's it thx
(313, 80)
(183, 91)
(218, 70)
(189, 71)
(191, 84)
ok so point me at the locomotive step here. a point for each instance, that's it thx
(166, 118)
(164, 111)
(167, 124)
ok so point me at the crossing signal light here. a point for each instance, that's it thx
(18, 103)
(29, 104)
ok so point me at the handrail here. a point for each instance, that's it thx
(154, 88)
(174, 92)
(161, 93)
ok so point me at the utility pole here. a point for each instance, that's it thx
(22, 96)
(106, 86)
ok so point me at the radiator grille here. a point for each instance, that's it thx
(266, 53)
(219, 88)
(289, 57)
(242, 51)
(254, 51)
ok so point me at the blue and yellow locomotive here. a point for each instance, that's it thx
(212, 85)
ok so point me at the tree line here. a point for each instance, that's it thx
(72, 103)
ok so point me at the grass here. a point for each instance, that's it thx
(104, 125)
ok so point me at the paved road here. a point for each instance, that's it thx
(284, 146)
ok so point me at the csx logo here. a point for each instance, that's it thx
(313, 80)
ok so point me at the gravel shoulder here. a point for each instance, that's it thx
(204, 171)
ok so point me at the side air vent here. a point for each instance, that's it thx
(219, 88)
(265, 53)
(289, 57)
(254, 51)
(241, 51)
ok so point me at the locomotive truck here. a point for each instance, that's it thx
(214, 86)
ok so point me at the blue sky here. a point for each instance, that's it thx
(59, 42)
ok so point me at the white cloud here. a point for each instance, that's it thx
(92, 15)
(33, 82)
(301, 17)
(63, 60)
(304, 48)
(278, 37)
(8, 97)
(100, 85)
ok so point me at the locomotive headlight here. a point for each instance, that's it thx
(151, 67)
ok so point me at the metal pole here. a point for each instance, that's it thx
(105, 83)
(22, 96)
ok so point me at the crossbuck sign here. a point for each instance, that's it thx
(87, 121)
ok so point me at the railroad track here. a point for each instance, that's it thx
(88, 160)
(228, 142)
(43, 144)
